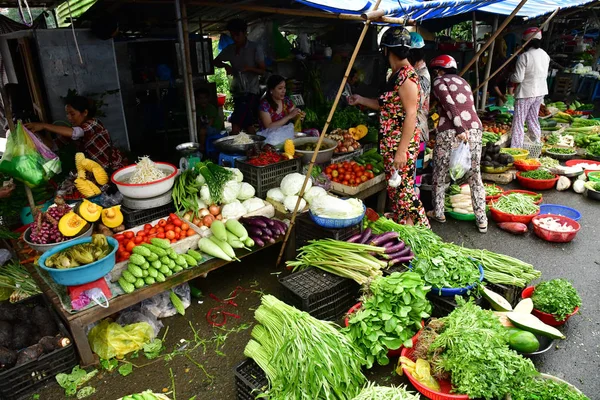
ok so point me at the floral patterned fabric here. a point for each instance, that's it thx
(275, 116)
(405, 202)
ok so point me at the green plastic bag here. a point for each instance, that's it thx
(510, 102)
(21, 160)
(109, 339)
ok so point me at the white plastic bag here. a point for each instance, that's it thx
(276, 136)
(394, 180)
(460, 161)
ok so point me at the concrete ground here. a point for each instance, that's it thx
(203, 366)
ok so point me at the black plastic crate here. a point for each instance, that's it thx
(269, 176)
(443, 306)
(250, 380)
(307, 230)
(133, 218)
(323, 295)
(511, 293)
(18, 382)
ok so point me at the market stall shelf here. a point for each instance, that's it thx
(79, 321)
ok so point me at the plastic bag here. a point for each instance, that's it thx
(51, 164)
(279, 135)
(21, 160)
(394, 180)
(460, 161)
(510, 102)
(109, 339)
(160, 305)
(133, 316)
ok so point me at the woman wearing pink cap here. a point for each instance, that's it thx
(530, 73)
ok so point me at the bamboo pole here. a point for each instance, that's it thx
(488, 66)
(516, 53)
(187, 82)
(188, 61)
(493, 37)
(474, 29)
(324, 132)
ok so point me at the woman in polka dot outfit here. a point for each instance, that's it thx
(458, 122)
(398, 117)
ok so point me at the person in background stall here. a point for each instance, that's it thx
(500, 83)
(458, 122)
(247, 65)
(276, 110)
(88, 133)
(530, 73)
(398, 106)
(209, 121)
(417, 59)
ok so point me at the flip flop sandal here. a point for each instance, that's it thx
(482, 228)
(431, 215)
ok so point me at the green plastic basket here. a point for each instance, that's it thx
(461, 217)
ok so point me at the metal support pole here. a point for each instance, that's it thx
(474, 29)
(488, 67)
(188, 82)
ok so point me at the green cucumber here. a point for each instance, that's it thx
(152, 272)
(127, 287)
(195, 254)
(160, 277)
(135, 270)
(137, 259)
(162, 243)
(141, 250)
(155, 249)
(191, 261)
(128, 276)
(139, 283)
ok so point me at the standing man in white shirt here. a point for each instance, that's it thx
(531, 73)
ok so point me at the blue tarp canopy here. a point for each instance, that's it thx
(413, 9)
(424, 10)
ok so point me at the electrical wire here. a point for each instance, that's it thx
(22, 15)
(73, 30)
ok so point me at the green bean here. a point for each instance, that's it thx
(538, 174)
(516, 204)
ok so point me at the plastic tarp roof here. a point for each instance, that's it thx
(533, 8)
(414, 9)
(423, 10)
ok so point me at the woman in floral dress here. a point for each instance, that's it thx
(398, 118)
(458, 122)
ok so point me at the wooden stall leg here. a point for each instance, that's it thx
(88, 358)
(381, 199)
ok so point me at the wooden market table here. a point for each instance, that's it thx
(77, 322)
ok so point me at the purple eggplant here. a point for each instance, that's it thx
(380, 240)
(266, 220)
(267, 232)
(401, 260)
(401, 253)
(258, 241)
(366, 236)
(255, 231)
(355, 238)
(396, 247)
(254, 222)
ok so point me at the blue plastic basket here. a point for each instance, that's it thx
(560, 210)
(334, 223)
(450, 292)
(80, 275)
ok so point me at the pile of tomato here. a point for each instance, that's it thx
(349, 173)
(172, 228)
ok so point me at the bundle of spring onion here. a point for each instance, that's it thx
(498, 268)
(215, 177)
(16, 283)
(372, 391)
(349, 260)
(303, 357)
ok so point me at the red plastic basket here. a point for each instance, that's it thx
(554, 236)
(536, 184)
(445, 385)
(496, 197)
(355, 308)
(521, 165)
(538, 202)
(546, 318)
(572, 163)
(500, 216)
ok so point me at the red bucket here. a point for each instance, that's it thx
(546, 318)
(221, 99)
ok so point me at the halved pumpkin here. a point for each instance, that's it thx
(361, 131)
(112, 217)
(71, 224)
(89, 211)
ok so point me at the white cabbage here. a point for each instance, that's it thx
(276, 194)
(233, 210)
(292, 183)
(253, 204)
(239, 177)
(205, 195)
(290, 203)
(333, 207)
(230, 192)
(314, 192)
(246, 191)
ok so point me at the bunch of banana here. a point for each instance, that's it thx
(83, 165)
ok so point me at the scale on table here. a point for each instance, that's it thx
(190, 155)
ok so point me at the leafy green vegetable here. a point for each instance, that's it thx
(492, 190)
(109, 365)
(85, 392)
(372, 392)
(390, 315)
(78, 377)
(126, 369)
(472, 347)
(557, 297)
(559, 150)
(443, 266)
(545, 389)
(538, 174)
(177, 303)
(152, 350)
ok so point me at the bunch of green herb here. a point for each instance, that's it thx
(453, 189)
(559, 150)
(557, 297)
(303, 357)
(372, 391)
(553, 139)
(548, 162)
(78, 377)
(512, 152)
(444, 266)
(546, 389)
(472, 347)
(538, 174)
(390, 316)
(516, 204)
(492, 190)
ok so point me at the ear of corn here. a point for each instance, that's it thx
(288, 148)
